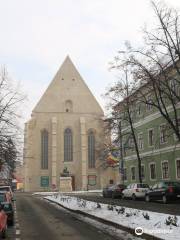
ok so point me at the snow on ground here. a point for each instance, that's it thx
(129, 217)
(117, 233)
(98, 192)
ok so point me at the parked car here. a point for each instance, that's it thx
(135, 190)
(7, 207)
(113, 191)
(6, 188)
(3, 222)
(164, 190)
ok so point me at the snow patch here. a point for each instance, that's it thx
(151, 222)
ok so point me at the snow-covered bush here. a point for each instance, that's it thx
(172, 221)
(120, 210)
(110, 207)
(146, 216)
(98, 205)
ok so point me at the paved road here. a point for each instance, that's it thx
(41, 220)
(170, 208)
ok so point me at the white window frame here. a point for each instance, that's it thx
(125, 180)
(164, 161)
(131, 144)
(134, 173)
(175, 137)
(149, 107)
(152, 179)
(141, 133)
(177, 159)
(139, 107)
(161, 143)
(143, 165)
(174, 86)
(151, 129)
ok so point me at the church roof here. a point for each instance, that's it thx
(68, 89)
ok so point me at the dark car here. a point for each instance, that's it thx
(7, 207)
(165, 191)
(113, 191)
(7, 189)
(3, 222)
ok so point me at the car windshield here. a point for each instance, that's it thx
(4, 188)
(176, 184)
(142, 185)
(120, 186)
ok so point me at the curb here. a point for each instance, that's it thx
(116, 225)
(16, 224)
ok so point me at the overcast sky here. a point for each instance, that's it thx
(36, 36)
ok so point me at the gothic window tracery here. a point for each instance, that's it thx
(44, 149)
(68, 145)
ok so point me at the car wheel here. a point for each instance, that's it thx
(147, 198)
(133, 197)
(11, 223)
(164, 199)
(113, 195)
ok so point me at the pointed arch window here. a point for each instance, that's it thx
(68, 145)
(44, 149)
(91, 149)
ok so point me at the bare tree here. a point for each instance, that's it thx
(10, 100)
(155, 67)
(122, 115)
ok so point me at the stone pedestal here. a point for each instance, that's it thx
(65, 184)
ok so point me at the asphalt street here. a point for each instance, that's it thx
(170, 208)
(41, 220)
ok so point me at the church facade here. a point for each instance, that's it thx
(63, 135)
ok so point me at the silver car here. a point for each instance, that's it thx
(135, 190)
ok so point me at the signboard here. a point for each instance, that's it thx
(44, 181)
(91, 180)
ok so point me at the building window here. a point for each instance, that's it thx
(139, 109)
(133, 176)
(149, 103)
(125, 174)
(165, 170)
(140, 141)
(91, 149)
(174, 86)
(176, 124)
(163, 134)
(142, 172)
(68, 145)
(151, 137)
(178, 168)
(44, 149)
(131, 143)
(152, 171)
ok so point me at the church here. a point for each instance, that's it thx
(63, 135)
